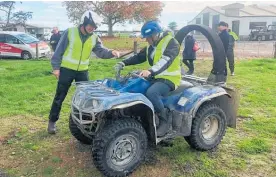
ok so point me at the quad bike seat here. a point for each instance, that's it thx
(183, 85)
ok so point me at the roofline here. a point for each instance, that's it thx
(12, 32)
(203, 10)
(246, 12)
(265, 10)
(231, 16)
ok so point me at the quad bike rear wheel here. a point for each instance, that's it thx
(208, 128)
(119, 148)
(76, 132)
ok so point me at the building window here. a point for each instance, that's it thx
(206, 19)
(254, 25)
(198, 21)
(216, 19)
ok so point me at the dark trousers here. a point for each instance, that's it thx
(155, 93)
(190, 65)
(54, 46)
(65, 80)
(231, 61)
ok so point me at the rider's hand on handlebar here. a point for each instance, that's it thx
(119, 66)
(116, 54)
(145, 73)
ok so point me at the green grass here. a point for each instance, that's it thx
(254, 146)
(126, 44)
(27, 90)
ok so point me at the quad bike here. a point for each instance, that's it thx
(120, 122)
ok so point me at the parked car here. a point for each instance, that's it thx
(22, 45)
(134, 35)
(263, 33)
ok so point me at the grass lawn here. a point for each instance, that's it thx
(27, 89)
(123, 43)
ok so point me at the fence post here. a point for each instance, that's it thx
(135, 49)
(275, 50)
(36, 50)
(259, 48)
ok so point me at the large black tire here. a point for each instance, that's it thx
(215, 127)
(119, 148)
(75, 131)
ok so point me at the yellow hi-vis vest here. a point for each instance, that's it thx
(77, 54)
(173, 73)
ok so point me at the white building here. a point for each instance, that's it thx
(241, 19)
(36, 30)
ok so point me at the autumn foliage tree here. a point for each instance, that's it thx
(113, 12)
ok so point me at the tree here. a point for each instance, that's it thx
(21, 17)
(113, 12)
(11, 17)
(172, 26)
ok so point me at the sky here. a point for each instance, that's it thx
(52, 13)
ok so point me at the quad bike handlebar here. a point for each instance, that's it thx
(130, 74)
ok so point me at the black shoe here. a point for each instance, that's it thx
(163, 127)
(52, 127)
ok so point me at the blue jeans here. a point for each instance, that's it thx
(155, 93)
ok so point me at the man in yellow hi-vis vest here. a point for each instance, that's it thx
(233, 37)
(162, 58)
(71, 60)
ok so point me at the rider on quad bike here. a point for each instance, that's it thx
(162, 57)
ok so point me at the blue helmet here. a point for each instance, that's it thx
(150, 28)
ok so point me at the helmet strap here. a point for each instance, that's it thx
(85, 29)
(159, 35)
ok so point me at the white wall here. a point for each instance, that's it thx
(244, 21)
(47, 31)
(206, 10)
(20, 28)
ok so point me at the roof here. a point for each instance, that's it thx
(27, 25)
(37, 26)
(11, 32)
(244, 11)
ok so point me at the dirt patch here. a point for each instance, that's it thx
(160, 169)
(11, 124)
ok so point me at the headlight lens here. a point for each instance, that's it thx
(94, 104)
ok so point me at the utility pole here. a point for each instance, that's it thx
(275, 50)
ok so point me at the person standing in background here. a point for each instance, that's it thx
(55, 38)
(189, 54)
(224, 36)
(230, 52)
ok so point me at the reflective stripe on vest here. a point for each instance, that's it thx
(77, 54)
(173, 73)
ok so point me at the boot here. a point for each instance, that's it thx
(51, 127)
(163, 127)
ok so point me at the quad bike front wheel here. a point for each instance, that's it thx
(76, 132)
(208, 128)
(119, 148)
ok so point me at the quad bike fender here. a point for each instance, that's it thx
(193, 98)
(139, 105)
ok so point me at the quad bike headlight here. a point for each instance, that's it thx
(95, 103)
(92, 104)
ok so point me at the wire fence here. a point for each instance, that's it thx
(243, 49)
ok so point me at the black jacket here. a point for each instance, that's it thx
(170, 53)
(189, 53)
(54, 40)
(224, 36)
